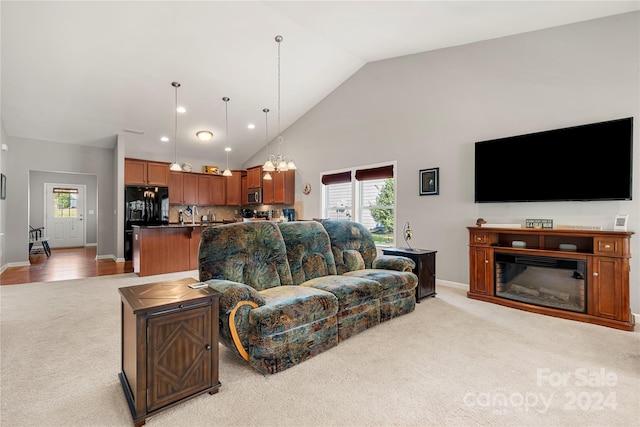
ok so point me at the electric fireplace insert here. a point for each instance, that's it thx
(558, 283)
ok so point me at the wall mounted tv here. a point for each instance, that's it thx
(588, 162)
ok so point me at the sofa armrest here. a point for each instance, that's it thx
(236, 300)
(233, 292)
(394, 262)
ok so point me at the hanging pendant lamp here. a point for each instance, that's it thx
(278, 162)
(268, 167)
(175, 166)
(227, 171)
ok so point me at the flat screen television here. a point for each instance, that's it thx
(580, 163)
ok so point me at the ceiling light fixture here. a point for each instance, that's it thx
(227, 171)
(175, 166)
(204, 135)
(278, 162)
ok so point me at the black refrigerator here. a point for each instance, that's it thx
(143, 206)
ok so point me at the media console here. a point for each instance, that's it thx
(587, 280)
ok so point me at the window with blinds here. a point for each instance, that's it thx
(365, 195)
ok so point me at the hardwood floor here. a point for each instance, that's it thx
(64, 264)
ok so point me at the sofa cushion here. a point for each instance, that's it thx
(252, 253)
(350, 291)
(391, 282)
(288, 307)
(350, 236)
(308, 250)
(353, 260)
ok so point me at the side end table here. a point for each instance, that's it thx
(169, 345)
(425, 269)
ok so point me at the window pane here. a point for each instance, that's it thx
(339, 201)
(377, 213)
(65, 205)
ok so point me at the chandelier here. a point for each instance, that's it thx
(175, 166)
(227, 171)
(277, 162)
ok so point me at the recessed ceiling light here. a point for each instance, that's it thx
(181, 110)
(251, 126)
(164, 139)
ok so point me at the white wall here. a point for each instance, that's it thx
(32, 155)
(3, 203)
(427, 110)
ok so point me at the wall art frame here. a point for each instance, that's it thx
(430, 182)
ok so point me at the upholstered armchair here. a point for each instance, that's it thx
(312, 265)
(264, 317)
(355, 254)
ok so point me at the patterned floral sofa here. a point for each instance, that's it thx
(281, 300)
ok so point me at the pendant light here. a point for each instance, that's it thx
(267, 175)
(227, 172)
(278, 162)
(175, 166)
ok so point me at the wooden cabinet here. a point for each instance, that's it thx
(280, 189)
(233, 189)
(142, 172)
(218, 190)
(480, 270)
(606, 254)
(425, 269)
(183, 188)
(204, 190)
(254, 177)
(169, 249)
(169, 342)
(187, 188)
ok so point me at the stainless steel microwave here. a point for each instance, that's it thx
(253, 196)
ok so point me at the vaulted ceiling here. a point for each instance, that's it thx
(82, 72)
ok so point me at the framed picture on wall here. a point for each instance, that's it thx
(429, 182)
(3, 187)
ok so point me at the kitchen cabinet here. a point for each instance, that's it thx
(142, 172)
(233, 189)
(204, 190)
(169, 342)
(280, 190)
(254, 177)
(218, 190)
(183, 188)
(186, 188)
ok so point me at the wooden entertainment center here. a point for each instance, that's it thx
(606, 254)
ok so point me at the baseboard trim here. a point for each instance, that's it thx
(450, 284)
(18, 264)
(111, 257)
(91, 244)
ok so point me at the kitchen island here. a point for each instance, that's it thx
(166, 248)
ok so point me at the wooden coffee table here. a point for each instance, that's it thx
(169, 345)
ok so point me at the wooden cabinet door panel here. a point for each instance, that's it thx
(175, 188)
(607, 287)
(135, 171)
(157, 173)
(284, 187)
(254, 177)
(204, 189)
(179, 355)
(480, 270)
(233, 189)
(189, 189)
(267, 189)
(218, 191)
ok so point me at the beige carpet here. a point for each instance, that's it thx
(454, 361)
